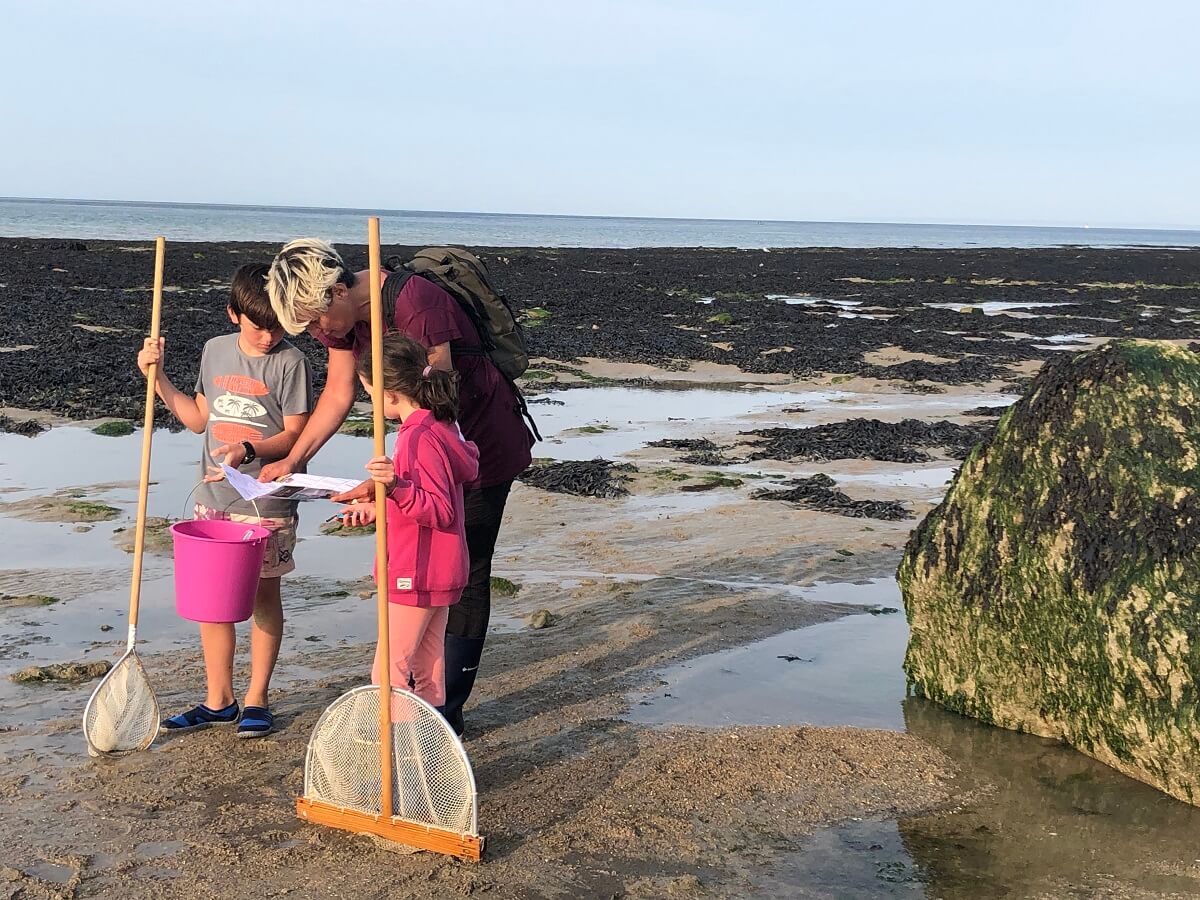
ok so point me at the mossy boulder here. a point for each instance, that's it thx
(1056, 590)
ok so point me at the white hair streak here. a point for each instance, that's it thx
(301, 278)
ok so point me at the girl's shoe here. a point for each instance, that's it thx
(257, 721)
(202, 717)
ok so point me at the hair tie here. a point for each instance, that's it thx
(425, 374)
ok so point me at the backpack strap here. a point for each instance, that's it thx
(516, 389)
(520, 395)
(392, 286)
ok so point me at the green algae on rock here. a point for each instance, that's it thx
(1056, 590)
(115, 428)
(62, 673)
(157, 538)
(8, 601)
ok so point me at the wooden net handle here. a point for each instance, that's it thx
(381, 566)
(139, 535)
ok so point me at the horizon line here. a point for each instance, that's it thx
(436, 212)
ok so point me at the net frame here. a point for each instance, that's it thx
(453, 810)
(109, 694)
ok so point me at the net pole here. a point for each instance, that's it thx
(139, 535)
(381, 568)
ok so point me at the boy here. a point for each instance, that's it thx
(253, 397)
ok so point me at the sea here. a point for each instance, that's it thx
(130, 221)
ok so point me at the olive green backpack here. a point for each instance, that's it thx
(464, 277)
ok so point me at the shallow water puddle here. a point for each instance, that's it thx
(845, 672)
(881, 474)
(846, 309)
(612, 421)
(918, 404)
(609, 422)
(1057, 823)
(992, 307)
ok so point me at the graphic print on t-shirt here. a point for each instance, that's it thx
(236, 414)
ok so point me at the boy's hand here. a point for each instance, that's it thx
(233, 455)
(382, 471)
(151, 355)
(358, 516)
(227, 454)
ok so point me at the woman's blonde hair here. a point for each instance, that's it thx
(301, 281)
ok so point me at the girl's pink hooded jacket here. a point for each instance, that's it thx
(427, 541)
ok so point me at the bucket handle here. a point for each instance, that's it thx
(196, 487)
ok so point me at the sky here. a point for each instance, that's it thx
(1068, 112)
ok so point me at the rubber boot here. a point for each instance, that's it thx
(462, 665)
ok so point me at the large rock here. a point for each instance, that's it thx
(1056, 590)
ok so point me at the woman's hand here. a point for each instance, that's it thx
(358, 516)
(382, 471)
(151, 355)
(278, 470)
(365, 491)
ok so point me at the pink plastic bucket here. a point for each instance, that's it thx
(216, 569)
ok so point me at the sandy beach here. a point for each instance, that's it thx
(715, 707)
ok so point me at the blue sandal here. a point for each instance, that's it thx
(202, 717)
(257, 721)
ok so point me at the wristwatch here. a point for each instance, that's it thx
(250, 454)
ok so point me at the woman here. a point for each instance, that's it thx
(311, 289)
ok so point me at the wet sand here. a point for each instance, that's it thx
(659, 599)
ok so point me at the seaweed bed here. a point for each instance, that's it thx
(26, 428)
(583, 478)
(84, 307)
(699, 451)
(820, 492)
(869, 439)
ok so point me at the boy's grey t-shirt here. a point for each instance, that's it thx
(248, 396)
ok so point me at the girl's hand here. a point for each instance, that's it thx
(358, 516)
(215, 473)
(382, 471)
(151, 355)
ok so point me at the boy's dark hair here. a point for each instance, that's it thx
(404, 365)
(248, 295)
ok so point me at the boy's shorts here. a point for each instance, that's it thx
(280, 545)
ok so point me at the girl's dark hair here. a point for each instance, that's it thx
(404, 371)
(248, 295)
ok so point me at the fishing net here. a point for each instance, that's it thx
(432, 780)
(122, 715)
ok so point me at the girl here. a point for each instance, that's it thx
(428, 563)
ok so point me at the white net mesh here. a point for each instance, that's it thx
(432, 779)
(123, 712)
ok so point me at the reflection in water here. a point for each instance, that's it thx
(1039, 820)
(1053, 821)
